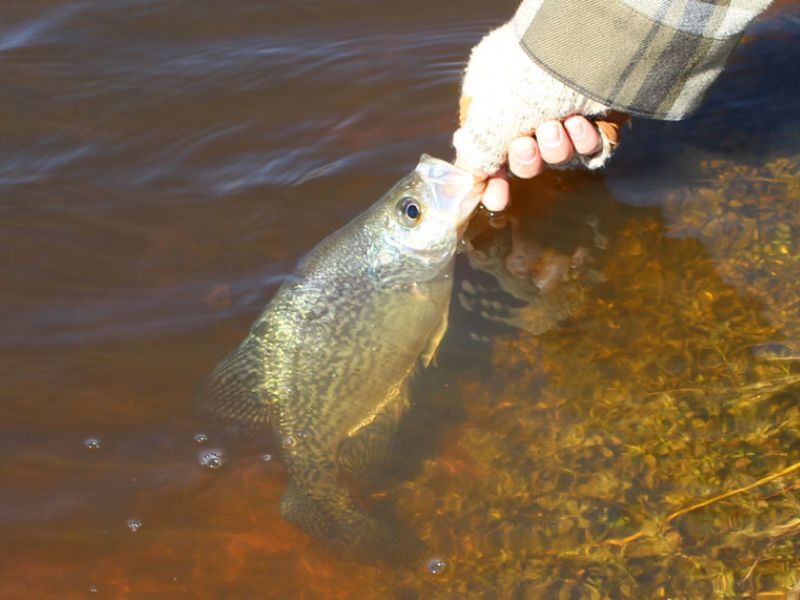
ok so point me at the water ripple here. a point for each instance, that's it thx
(140, 312)
(36, 31)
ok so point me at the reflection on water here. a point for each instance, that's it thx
(622, 346)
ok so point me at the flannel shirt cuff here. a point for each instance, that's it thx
(650, 58)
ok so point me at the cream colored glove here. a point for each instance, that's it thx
(506, 95)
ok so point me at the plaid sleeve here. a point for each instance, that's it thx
(651, 58)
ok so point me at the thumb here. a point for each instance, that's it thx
(463, 109)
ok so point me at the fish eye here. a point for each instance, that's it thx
(410, 211)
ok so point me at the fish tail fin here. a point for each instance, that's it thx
(335, 519)
(234, 393)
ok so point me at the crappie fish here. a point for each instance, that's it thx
(325, 366)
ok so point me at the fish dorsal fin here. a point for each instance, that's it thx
(235, 392)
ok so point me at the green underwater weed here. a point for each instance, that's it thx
(648, 446)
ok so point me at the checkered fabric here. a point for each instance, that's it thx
(650, 58)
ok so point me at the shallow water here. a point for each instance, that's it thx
(163, 166)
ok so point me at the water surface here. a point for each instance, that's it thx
(622, 345)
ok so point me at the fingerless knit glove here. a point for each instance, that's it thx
(507, 95)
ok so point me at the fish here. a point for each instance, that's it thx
(326, 366)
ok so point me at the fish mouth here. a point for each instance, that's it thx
(451, 189)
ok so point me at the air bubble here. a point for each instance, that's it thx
(211, 459)
(288, 441)
(92, 443)
(266, 457)
(93, 590)
(200, 438)
(134, 525)
(436, 566)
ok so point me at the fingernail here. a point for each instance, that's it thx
(576, 129)
(549, 134)
(524, 151)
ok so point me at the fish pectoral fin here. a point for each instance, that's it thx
(428, 356)
(306, 512)
(234, 393)
(368, 443)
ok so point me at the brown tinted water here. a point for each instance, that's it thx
(623, 346)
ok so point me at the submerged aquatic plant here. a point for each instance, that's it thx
(649, 445)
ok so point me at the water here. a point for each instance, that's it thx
(162, 167)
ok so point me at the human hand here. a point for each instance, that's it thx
(514, 113)
(554, 143)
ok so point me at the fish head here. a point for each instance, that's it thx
(424, 215)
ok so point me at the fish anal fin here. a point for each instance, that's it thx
(333, 517)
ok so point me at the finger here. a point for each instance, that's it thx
(584, 136)
(496, 194)
(461, 164)
(554, 143)
(524, 158)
